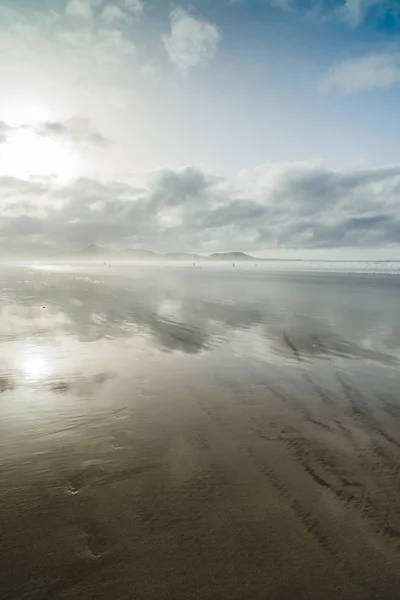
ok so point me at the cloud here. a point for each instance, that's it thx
(293, 205)
(191, 42)
(114, 15)
(5, 131)
(67, 56)
(351, 12)
(76, 131)
(80, 9)
(134, 6)
(379, 70)
(354, 12)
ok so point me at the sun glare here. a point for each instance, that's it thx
(35, 366)
(26, 154)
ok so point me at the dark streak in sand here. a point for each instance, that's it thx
(158, 461)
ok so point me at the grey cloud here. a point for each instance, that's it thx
(184, 187)
(22, 226)
(290, 206)
(76, 131)
(235, 211)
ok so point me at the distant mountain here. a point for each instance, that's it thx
(93, 250)
(139, 254)
(231, 256)
(182, 256)
(144, 255)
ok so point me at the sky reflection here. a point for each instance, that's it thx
(35, 364)
(54, 323)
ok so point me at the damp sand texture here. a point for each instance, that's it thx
(179, 434)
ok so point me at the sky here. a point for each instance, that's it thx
(265, 126)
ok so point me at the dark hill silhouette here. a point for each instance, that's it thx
(93, 250)
(237, 256)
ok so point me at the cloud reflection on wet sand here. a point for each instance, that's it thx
(173, 433)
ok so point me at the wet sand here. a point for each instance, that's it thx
(178, 434)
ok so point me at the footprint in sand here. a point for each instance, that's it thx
(96, 542)
(115, 445)
(120, 413)
(88, 475)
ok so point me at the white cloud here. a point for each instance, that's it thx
(380, 70)
(45, 55)
(80, 9)
(354, 12)
(290, 205)
(191, 41)
(122, 14)
(135, 6)
(113, 15)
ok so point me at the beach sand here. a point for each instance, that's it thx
(186, 435)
